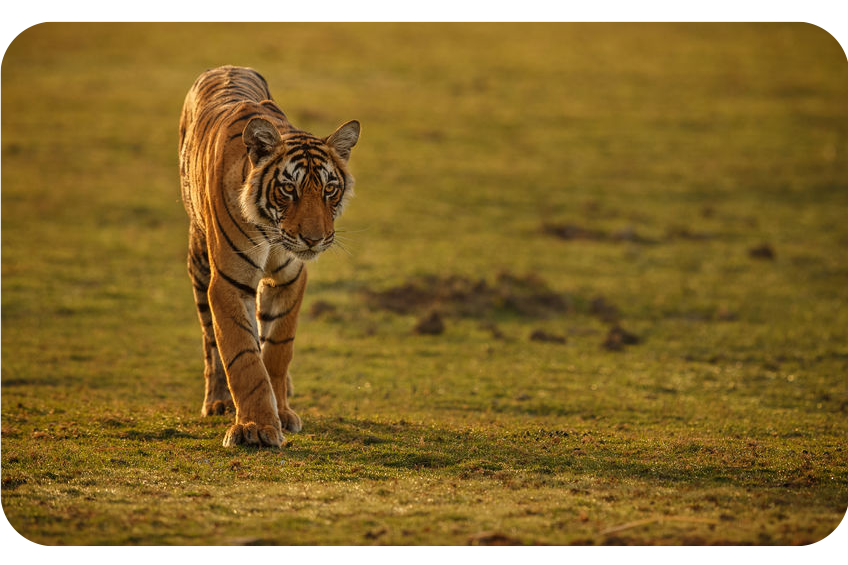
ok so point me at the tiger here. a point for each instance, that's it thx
(262, 197)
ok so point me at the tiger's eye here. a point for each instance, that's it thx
(287, 188)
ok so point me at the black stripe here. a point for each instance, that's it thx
(238, 251)
(200, 287)
(271, 317)
(276, 341)
(195, 274)
(239, 354)
(248, 329)
(241, 286)
(202, 307)
(241, 91)
(244, 117)
(255, 388)
(319, 150)
(236, 224)
(262, 79)
(199, 261)
(274, 108)
(265, 235)
(207, 122)
(206, 87)
(264, 214)
(281, 267)
(302, 135)
(297, 276)
(308, 147)
(265, 193)
(244, 170)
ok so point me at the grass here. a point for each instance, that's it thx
(675, 148)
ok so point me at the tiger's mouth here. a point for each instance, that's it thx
(301, 250)
(305, 253)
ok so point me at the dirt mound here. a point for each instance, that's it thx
(618, 337)
(541, 335)
(430, 324)
(603, 309)
(574, 232)
(762, 251)
(527, 296)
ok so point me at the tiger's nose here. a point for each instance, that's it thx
(309, 241)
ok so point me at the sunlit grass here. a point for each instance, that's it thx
(680, 147)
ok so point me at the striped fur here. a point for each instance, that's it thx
(262, 197)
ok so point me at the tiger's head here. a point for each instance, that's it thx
(298, 184)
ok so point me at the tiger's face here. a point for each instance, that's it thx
(298, 185)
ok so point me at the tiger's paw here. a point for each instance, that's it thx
(252, 433)
(218, 407)
(290, 421)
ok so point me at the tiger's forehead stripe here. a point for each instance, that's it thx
(308, 159)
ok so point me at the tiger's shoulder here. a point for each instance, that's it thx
(224, 98)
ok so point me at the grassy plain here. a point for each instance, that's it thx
(661, 155)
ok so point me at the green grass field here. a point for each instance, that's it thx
(685, 183)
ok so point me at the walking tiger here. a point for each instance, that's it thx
(262, 197)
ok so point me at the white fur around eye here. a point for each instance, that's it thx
(331, 189)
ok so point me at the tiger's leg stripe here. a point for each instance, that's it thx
(199, 274)
(278, 308)
(239, 355)
(264, 339)
(235, 297)
(200, 260)
(265, 317)
(217, 396)
(256, 387)
(199, 287)
(248, 329)
(245, 289)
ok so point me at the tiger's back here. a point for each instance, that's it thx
(262, 197)
(220, 100)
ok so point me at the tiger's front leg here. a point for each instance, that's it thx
(279, 302)
(233, 306)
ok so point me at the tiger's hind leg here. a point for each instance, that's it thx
(279, 304)
(218, 399)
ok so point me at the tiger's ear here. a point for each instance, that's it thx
(344, 138)
(260, 137)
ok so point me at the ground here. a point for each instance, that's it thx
(593, 289)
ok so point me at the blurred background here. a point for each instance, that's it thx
(625, 224)
(676, 149)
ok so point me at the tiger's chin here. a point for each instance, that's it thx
(306, 255)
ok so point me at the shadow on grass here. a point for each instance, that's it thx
(345, 449)
(543, 453)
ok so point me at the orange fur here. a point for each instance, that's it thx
(262, 197)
